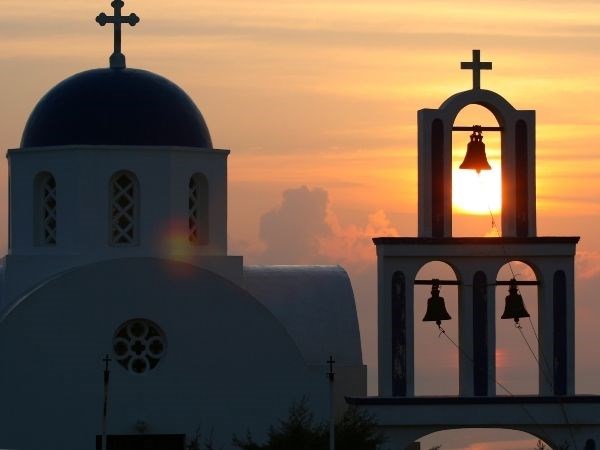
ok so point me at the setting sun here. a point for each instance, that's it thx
(474, 193)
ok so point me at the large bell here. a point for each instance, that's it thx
(475, 158)
(436, 308)
(514, 307)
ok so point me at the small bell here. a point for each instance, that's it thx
(514, 307)
(436, 308)
(475, 158)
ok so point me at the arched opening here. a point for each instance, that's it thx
(475, 196)
(517, 349)
(198, 210)
(482, 439)
(124, 209)
(436, 358)
(44, 209)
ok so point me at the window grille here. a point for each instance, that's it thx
(139, 345)
(198, 210)
(124, 209)
(46, 217)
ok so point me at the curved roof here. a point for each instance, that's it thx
(116, 107)
(315, 304)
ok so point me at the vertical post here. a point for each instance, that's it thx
(104, 409)
(480, 335)
(465, 342)
(331, 375)
(398, 315)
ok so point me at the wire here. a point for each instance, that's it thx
(520, 328)
(514, 276)
(548, 379)
(540, 349)
(495, 380)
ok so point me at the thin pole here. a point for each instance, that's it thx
(331, 376)
(105, 406)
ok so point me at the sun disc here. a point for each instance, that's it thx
(477, 194)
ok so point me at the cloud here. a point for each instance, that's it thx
(304, 229)
(587, 264)
(292, 230)
(352, 244)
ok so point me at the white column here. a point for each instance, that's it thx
(546, 333)
(465, 341)
(491, 334)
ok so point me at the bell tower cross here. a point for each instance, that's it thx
(117, 59)
(476, 66)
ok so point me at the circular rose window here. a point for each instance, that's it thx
(138, 345)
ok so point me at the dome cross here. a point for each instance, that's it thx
(476, 66)
(117, 59)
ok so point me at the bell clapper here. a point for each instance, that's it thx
(442, 331)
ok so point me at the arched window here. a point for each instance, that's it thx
(124, 207)
(45, 209)
(198, 210)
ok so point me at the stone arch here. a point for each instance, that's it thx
(494, 102)
(525, 349)
(475, 195)
(124, 214)
(45, 209)
(517, 138)
(436, 356)
(198, 209)
(476, 434)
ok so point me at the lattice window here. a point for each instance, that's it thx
(138, 345)
(198, 210)
(124, 209)
(46, 209)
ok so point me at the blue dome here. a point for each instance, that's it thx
(116, 107)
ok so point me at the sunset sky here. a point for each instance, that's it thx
(317, 101)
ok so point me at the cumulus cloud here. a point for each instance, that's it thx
(303, 229)
(352, 244)
(291, 231)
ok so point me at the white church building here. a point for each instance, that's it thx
(118, 247)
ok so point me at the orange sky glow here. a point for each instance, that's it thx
(324, 94)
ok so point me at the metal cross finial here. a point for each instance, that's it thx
(106, 359)
(476, 66)
(117, 59)
(331, 362)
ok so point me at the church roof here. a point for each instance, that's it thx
(116, 107)
(315, 304)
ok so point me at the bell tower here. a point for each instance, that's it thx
(476, 262)
(517, 134)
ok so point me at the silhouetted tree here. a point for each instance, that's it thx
(298, 431)
(198, 443)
